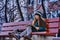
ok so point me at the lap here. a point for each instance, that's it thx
(40, 29)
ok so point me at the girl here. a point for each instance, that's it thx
(38, 24)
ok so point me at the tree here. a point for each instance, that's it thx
(43, 9)
(6, 11)
(19, 8)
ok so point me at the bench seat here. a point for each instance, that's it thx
(43, 33)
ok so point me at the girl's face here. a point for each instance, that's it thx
(37, 17)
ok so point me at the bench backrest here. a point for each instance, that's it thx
(15, 25)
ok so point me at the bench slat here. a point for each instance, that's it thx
(53, 30)
(53, 19)
(39, 32)
(53, 25)
(17, 23)
(5, 33)
(42, 33)
(13, 28)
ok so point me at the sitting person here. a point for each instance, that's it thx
(38, 23)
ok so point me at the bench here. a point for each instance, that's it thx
(52, 27)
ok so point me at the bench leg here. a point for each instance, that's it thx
(2, 38)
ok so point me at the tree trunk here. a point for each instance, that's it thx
(6, 10)
(43, 9)
(19, 8)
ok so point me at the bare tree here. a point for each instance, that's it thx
(6, 10)
(19, 8)
(43, 7)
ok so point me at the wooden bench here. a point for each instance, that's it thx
(52, 27)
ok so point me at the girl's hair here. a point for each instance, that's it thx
(38, 15)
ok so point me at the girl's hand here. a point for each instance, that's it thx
(37, 28)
